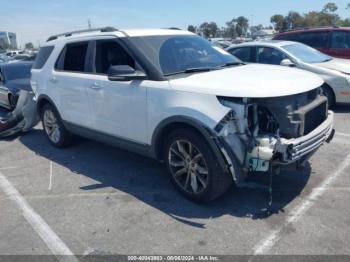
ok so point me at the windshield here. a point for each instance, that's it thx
(306, 53)
(183, 54)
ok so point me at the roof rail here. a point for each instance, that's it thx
(67, 34)
(173, 28)
(310, 27)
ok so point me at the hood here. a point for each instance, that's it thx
(252, 81)
(337, 64)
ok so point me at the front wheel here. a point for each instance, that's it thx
(194, 167)
(54, 129)
(327, 91)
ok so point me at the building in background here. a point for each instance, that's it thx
(8, 40)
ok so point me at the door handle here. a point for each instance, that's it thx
(53, 80)
(96, 86)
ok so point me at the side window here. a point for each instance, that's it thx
(288, 37)
(243, 53)
(340, 39)
(110, 53)
(315, 39)
(268, 55)
(42, 57)
(73, 57)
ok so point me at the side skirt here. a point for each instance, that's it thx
(141, 149)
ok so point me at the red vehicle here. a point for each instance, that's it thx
(333, 41)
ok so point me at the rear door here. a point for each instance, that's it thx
(69, 82)
(340, 44)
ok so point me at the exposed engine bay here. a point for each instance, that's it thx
(259, 132)
(22, 118)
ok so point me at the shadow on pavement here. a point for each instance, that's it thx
(342, 109)
(146, 180)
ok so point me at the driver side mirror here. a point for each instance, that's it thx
(287, 62)
(124, 73)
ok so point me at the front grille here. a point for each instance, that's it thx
(315, 117)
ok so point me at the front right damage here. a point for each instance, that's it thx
(259, 134)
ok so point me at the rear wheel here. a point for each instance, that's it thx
(55, 131)
(194, 167)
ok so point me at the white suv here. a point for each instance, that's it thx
(173, 96)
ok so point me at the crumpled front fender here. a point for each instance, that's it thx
(22, 118)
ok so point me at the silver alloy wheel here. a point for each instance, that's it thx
(188, 167)
(51, 126)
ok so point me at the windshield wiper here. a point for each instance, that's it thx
(193, 70)
(232, 64)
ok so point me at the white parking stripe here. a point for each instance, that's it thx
(53, 242)
(342, 134)
(267, 243)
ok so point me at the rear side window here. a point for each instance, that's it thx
(73, 57)
(288, 37)
(315, 39)
(42, 57)
(340, 39)
(243, 53)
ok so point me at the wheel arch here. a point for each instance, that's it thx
(42, 100)
(177, 122)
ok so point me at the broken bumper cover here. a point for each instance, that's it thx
(295, 149)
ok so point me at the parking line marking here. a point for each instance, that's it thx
(50, 182)
(343, 134)
(53, 242)
(267, 243)
(8, 167)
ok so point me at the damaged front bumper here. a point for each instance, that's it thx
(292, 150)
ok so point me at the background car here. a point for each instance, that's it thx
(22, 57)
(333, 41)
(334, 71)
(13, 78)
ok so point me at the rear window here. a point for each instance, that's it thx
(243, 53)
(315, 39)
(340, 39)
(42, 57)
(73, 57)
(288, 37)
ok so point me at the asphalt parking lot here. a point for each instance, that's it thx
(95, 199)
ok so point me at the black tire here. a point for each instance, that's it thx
(328, 92)
(217, 181)
(65, 137)
(12, 101)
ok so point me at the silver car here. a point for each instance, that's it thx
(334, 71)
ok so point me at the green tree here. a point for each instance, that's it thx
(294, 20)
(29, 45)
(242, 26)
(278, 22)
(209, 29)
(230, 30)
(192, 28)
(330, 8)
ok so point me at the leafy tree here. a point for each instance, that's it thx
(209, 29)
(29, 45)
(192, 28)
(278, 22)
(293, 20)
(330, 8)
(230, 30)
(242, 25)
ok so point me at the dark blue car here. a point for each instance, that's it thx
(13, 78)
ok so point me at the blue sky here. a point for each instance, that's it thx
(35, 20)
